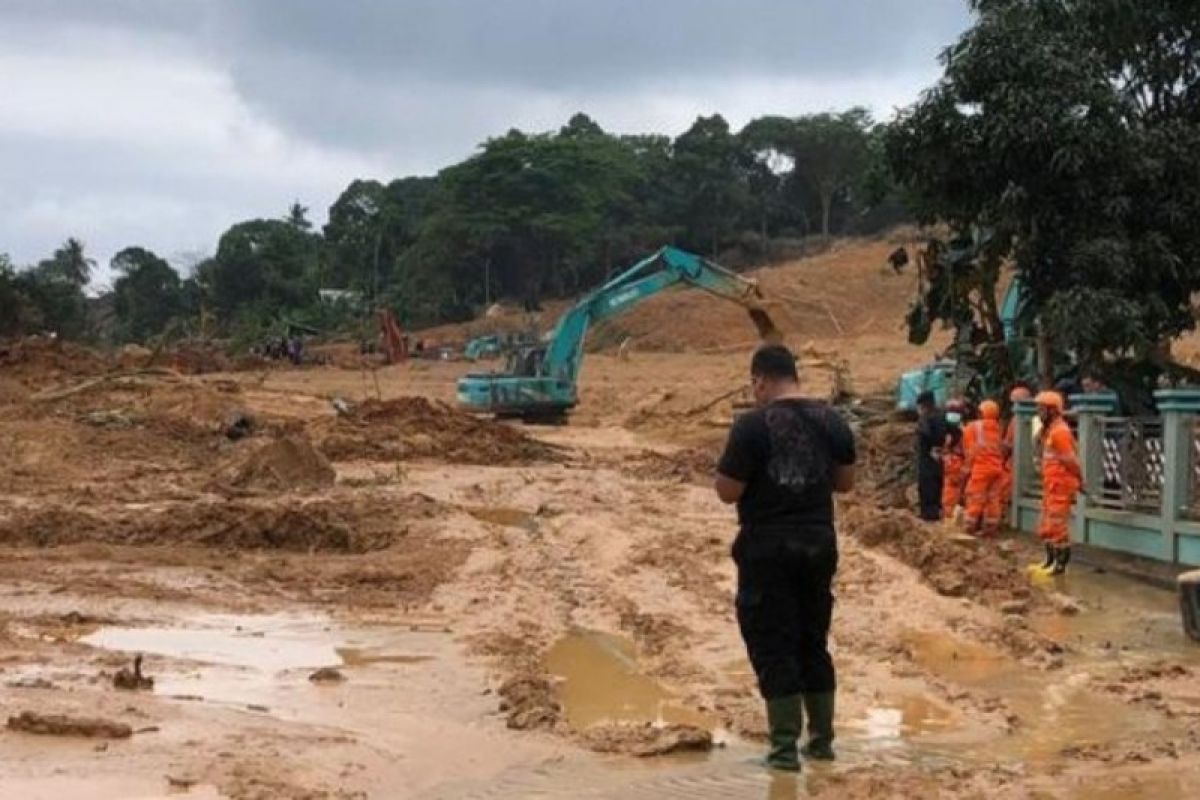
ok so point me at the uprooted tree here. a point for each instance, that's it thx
(1070, 131)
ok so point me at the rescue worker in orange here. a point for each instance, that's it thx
(1019, 393)
(952, 460)
(1062, 479)
(983, 444)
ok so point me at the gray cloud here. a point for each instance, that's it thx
(212, 110)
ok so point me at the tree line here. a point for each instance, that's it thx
(528, 216)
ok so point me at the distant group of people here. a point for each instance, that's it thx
(284, 348)
(965, 470)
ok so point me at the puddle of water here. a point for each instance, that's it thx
(508, 517)
(263, 661)
(271, 644)
(1120, 615)
(101, 788)
(1056, 708)
(601, 683)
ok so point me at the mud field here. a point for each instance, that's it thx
(342, 587)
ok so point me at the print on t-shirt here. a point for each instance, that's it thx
(799, 460)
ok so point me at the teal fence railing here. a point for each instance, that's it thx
(1141, 476)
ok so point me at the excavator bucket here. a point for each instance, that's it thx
(766, 326)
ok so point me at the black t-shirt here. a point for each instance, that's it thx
(785, 453)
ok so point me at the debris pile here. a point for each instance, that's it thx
(331, 523)
(415, 427)
(955, 565)
(284, 464)
(529, 703)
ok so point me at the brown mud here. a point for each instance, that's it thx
(516, 610)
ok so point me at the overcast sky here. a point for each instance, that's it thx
(162, 122)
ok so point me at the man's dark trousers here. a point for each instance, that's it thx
(785, 604)
(929, 489)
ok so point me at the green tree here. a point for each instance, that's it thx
(1070, 131)
(262, 268)
(710, 170)
(831, 154)
(69, 263)
(146, 295)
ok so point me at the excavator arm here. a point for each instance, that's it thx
(665, 268)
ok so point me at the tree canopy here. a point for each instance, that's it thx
(1069, 131)
(528, 216)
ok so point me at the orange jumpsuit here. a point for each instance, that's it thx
(952, 473)
(1060, 482)
(983, 442)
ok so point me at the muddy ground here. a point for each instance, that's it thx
(343, 588)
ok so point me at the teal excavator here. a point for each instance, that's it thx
(540, 380)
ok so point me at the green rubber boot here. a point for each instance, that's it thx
(819, 707)
(1062, 557)
(785, 718)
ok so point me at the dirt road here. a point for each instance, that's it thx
(512, 612)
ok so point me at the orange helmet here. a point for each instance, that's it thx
(1050, 400)
(989, 409)
(1020, 393)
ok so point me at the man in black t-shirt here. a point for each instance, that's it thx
(782, 464)
(931, 437)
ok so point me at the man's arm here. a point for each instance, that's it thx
(729, 491)
(738, 463)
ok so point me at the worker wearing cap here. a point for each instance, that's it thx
(1020, 393)
(952, 459)
(1061, 481)
(983, 444)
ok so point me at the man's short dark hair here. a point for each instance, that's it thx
(774, 362)
(926, 399)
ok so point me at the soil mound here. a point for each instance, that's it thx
(59, 725)
(344, 525)
(647, 740)
(529, 703)
(414, 427)
(954, 565)
(691, 465)
(285, 464)
(37, 361)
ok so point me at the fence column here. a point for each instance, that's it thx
(1022, 457)
(1179, 408)
(1089, 409)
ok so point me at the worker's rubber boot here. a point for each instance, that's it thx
(1051, 558)
(785, 718)
(819, 708)
(1062, 557)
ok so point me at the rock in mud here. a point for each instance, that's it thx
(647, 740)
(529, 702)
(62, 725)
(1064, 605)
(132, 680)
(327, 675)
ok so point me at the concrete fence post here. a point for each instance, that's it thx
(1179, 408)
(1090, 409)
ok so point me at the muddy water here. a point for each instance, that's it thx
(601, 682)
(263, 661)
(97, 787)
